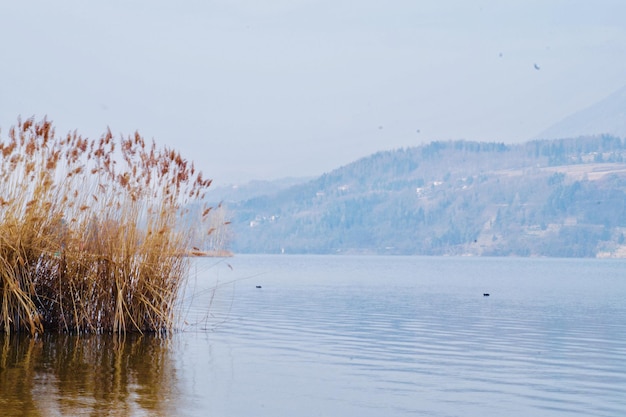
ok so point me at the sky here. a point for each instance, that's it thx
(256, 89)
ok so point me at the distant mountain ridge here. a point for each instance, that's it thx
(608, 116)
(562, 198)
(251, 189)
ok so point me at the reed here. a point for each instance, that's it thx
(93, 233)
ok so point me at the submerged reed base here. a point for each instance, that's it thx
(94, 233)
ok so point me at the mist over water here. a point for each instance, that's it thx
(367, 336)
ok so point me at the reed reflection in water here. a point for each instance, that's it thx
(93, 375)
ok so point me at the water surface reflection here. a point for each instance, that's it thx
(97, 375)
(350, 336)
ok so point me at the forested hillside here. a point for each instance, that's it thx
(563, 198)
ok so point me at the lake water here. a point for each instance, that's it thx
(351, 336)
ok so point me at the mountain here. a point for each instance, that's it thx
(605, 117)
(246, 191)
(563, 198)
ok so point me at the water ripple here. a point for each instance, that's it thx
(437, 347)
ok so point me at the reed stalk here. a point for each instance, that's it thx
(93, 233)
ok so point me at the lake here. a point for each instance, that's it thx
(350, 336)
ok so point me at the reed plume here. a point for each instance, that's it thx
(92, 237)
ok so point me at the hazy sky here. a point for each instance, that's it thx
(256, 89)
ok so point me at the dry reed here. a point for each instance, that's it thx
(93, 233)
